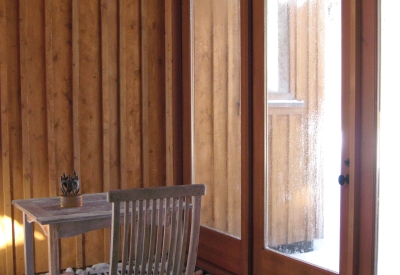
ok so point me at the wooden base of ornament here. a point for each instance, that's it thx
(71, 201)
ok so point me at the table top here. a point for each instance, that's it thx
(48, 210)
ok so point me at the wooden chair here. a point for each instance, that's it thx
(155, 224)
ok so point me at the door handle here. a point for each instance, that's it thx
(343, 179)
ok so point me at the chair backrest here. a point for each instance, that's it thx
(155, 229)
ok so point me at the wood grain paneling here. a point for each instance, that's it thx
(132, 72)
(79, 240)
(234, 114)
(82, 87)
(5, 208)
(14, 115)
(50, 104)
(217, 112)
(203, 144)
(90, 115)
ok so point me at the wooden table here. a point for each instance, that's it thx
(58, 222)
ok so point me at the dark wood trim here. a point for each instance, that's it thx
(351, 49)
(186, 92)
(220, 249)
(211, 268)
(258, 135)
(177, 87)
(278, 264)
(368, 160)
(246, 138)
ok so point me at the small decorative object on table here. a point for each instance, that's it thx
(70, 189)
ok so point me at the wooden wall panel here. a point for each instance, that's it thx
(74, 95)
(59, 101)
(203, 141)
(219, 113)
(234, 136)
(34, 146)
(109, 64)
(15, 129)
(90, 115)
(131, 151)
(79, 240)
(5, 208)
(49, 76)
(217, 116)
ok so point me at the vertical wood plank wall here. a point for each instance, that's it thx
(217, 117)
(82, 86)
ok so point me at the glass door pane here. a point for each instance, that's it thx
(389, 149)
(216, 117)
(303, 130)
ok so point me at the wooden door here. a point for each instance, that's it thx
(294, 106)
(216, 128)
(358, 112)
(253, 253)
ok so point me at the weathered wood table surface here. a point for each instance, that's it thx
(58, 222)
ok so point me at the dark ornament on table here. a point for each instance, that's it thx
(70, 188)
(70, 185)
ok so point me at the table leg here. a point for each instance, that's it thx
(28, 246)
(53, 250)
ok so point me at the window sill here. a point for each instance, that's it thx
(284, 107)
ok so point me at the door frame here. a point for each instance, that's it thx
(359, 120)
(359, 89)
(360, 93)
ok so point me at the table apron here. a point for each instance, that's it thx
(71, 229)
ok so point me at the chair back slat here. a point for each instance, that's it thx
(178, 237)
(132, 235)
(194, 235)
(185, 230)
(172, 241)
(139, 239)
(153, 240)
(166, 237)
(125, 243)
(114, 238)
(155, 235)
(160, 221)
(146, 242)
